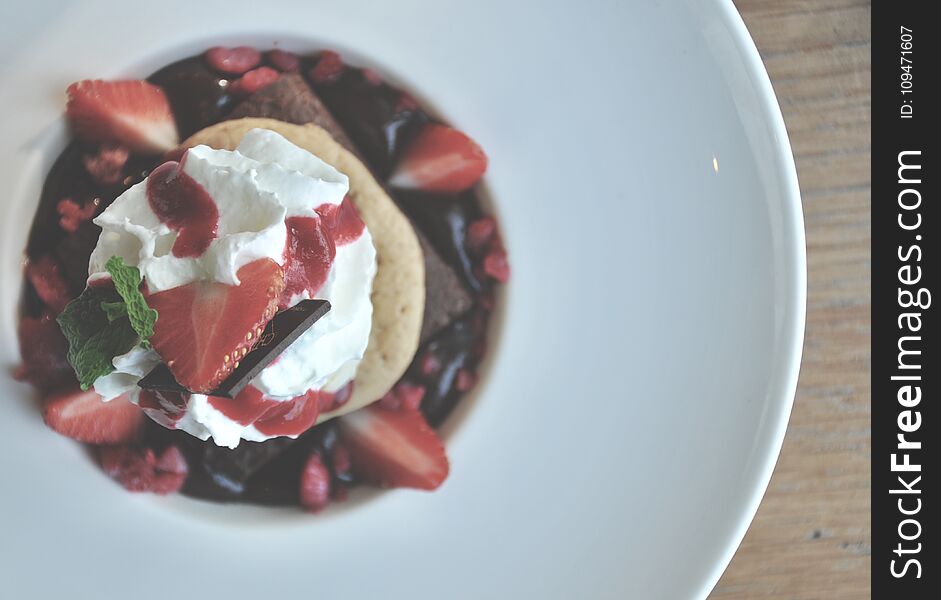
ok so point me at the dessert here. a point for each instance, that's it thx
(192, 213)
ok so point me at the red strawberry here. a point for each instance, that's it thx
(85, 417)
(315, 484)
(204, 328)
(134, 113)
(440, 159)
(394, 448)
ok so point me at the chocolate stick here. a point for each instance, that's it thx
(281, 331)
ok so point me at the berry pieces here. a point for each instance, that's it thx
(85, 417)
(141, 470)
(45, 353)
(107, 164)
(72, 215)
(481, 232)
(404, 396)
(253, 81)
(394, 448)
(315, 485)
(496, 264)
(45, 275)
(205, 328)
(328, 68)
(282, 60)
(440, 159)
(134, 113)
(233, 61)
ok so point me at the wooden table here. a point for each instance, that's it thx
(812, 536)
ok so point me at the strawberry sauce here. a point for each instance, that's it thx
(276, 418)
(185, 206)
(312, 245)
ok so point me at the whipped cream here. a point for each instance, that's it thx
(265, 181)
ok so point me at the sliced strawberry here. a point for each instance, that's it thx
(85, 417)
(134, 113)
(315, 484)
(440, 159)
(204, 328)
(394, 448)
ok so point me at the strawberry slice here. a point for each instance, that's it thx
(85, 417)
(440, 159)
(393, 448)
(134, 113)
(203, 328)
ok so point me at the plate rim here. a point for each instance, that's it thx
(796, 306)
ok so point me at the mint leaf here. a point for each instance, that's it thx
(127, 280)
(114, 310)
(94, 338)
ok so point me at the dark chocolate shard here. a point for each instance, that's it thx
(281, 331)
(290, 99)
(232, 468)
(445, 298)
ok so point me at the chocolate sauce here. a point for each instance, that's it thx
(380, 120)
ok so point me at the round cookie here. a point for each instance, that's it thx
(398, 294)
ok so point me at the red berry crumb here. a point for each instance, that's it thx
(45, 275)
(465, 380)
(283, 60)
(133, 470)
(233, 61)
(481, 232)
(253, 81)
(372, 77)
(72, 215)
(341, 460)
(496, 264)
(315, 485)
(430, 364)
(142, 471)
(405, 104)
(107, 164)
(171, 471)
(404, 396)
(328, 69)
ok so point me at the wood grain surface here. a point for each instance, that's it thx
(811, 537)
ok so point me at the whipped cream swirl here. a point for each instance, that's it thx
(256, 188)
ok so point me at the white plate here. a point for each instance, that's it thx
(652, 332)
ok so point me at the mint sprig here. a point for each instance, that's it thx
(105, 322)
(127, 282)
